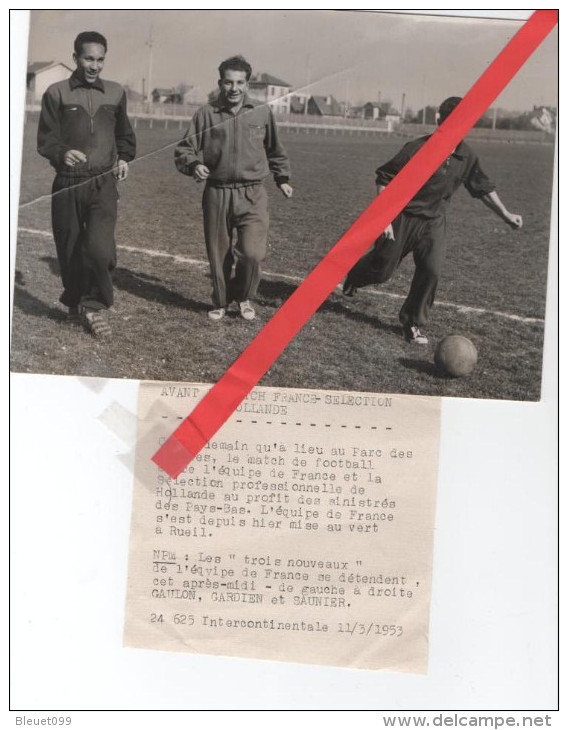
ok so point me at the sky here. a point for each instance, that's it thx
(354, 55)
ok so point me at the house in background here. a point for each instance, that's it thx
(298, 103)
(371, 110)
(383, 111)
(270, 90)
(42, 74)
(166, 96)
(321, 106)
(543, 119)
(355, 112)
(325, 106)
(393, 116)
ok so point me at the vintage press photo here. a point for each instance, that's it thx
(341, 110)
(216, 225)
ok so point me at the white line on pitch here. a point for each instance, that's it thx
(461, 308)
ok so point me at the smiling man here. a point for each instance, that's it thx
(239, 144)
(85, 134)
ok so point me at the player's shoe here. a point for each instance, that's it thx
(96, 322)
(348, 289)
(413, 334)
(246, 310)
(216, 314)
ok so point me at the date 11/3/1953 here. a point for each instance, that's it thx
(353, 628)
(358, 628)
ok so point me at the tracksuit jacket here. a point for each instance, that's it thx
(431, 201)
(239, 149)
(90, 118)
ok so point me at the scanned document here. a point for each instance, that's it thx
(303, 532)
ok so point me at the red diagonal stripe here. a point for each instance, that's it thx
(218, 405)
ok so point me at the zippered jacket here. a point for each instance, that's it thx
(431, 201)
(90, 118)
(239, 149)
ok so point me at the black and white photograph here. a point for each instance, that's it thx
(183, 172)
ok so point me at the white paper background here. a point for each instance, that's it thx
(493, 619)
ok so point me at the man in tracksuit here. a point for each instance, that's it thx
(421, 227)
(239, 143)
(85, 134)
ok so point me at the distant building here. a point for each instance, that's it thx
(383, 111)
(42, 74)
(371, 110)
(321, 106)
(298, 103)
(271, 90)
(543, 119)
(166, 96)
(393, 117)
(355, 112)
(324, 106)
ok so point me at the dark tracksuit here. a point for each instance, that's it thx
(420, 228)
(240, 150)
(90, 118)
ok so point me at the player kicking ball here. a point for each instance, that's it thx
(421, 227)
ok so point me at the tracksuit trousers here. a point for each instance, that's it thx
(236, 231)
(426, 239)
(83, 213)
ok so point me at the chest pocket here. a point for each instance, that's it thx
(256, 132)
(108, 110)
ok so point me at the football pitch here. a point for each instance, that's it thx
(492, 289)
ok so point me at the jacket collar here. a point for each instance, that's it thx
(219, 104)
(76, 81)
(459, 153)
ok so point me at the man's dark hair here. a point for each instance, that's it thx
(89, 36)
(235, 63)
(447, 107)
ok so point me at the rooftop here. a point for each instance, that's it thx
(266, 80)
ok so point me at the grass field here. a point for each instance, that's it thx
(159, 321)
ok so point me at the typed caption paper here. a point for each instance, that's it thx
(303, 532)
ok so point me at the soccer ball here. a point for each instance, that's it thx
(456, 355)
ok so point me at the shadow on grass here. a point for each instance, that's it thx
(144, 286)
(421, 366)
(271, 293)
(274, 293)
(28, 304)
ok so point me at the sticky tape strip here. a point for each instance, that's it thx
(120, 421)
(218, 405)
